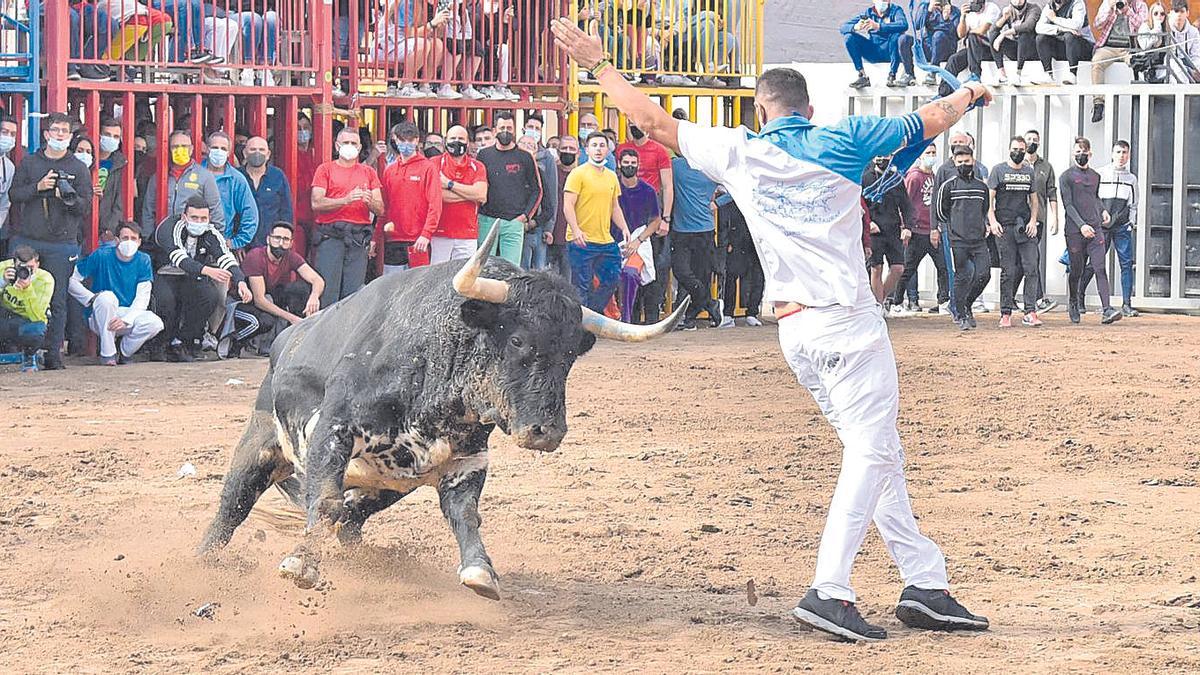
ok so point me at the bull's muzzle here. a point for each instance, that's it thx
(542, 437)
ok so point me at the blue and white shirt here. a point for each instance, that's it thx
(797, 186)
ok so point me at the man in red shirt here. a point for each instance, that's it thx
(412, 196)
(654, 164)
(306, 167)
(464, 188)
(345, 194)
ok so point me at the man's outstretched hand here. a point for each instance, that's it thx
(585, 49)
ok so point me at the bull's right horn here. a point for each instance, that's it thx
(469, 284)
(611, 329)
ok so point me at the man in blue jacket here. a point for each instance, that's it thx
(237, 199)
(937, 21)
(879, 34)
(271, 190)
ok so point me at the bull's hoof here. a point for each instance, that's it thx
(481, 579)
(301, 572)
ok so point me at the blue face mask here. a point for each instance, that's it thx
(7, 143)
(217, 157)
(406, 149)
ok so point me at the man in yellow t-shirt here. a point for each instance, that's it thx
(590, 207)
(25, 291)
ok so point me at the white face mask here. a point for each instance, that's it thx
(58, 145)
(109, 144)
(928, 161)
(84, 157)
(217, 157)
(881, 6)
(347, 152)
(127, 248)
(196, 229)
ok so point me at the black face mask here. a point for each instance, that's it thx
(1032, 148)
(432, 152)
(505, 138)
(277, 251)
(1017, 156)
(636, 132)
(456, 148)
(567, 158)
(1081, 158)
(629, 171)
(966, 171)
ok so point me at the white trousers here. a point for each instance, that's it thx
(442, 249)
(844, 358)
(142, 325)
(221, 36)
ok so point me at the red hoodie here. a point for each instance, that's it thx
(412, 197)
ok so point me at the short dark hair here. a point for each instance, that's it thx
(129, 225)
(553, 138)
(80, 138)
(1087, 145)
(504, 115)
(6, 118)
(284, 224)
(1121, 143)
(196, 202)
(58, 118)
(1035, 132)
(25, 253)
(784, 87)
(961, 150)
(1014, 139)
(406, 130)
(596, 134)
(680, 114)
(479, 130)
(107, 121)
(1179, 5)
(535, 116)
(626, 152)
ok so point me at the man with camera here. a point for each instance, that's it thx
(25, 292)
(1117, 22)
(54, 193)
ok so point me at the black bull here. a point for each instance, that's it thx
(399, 386)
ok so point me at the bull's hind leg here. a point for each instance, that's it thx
(459, 496)
(255, 460)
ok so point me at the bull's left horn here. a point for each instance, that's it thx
(611, 329)
(468, 282)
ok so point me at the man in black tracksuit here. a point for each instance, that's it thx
(888, 217)
(1079, 191)
(962, 205)
(191, 260)
(741, 261)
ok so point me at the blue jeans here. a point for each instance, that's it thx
(698, 42)
(896, 50)
(938, 47)
(189, 24)
(533, 254)
(260, 36)
(949, 273)
(20, 332)
(601, 261)
(342, 34)
(57, 258)
(91, 18)
(1120, 238)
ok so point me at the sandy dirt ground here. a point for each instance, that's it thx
(1056, 468)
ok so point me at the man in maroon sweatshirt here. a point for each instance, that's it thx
(921, 240)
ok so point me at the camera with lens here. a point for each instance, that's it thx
(22, 271)
(1120, 4)
(63, 184)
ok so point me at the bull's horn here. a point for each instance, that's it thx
(468, 282)
(611, 329)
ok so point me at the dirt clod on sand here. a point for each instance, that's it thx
(1056, 468)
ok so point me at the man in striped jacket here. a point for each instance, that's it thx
(192, 263)
(963, 203)
(1118, 193)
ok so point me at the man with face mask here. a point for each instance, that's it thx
(53, 190)
(1118, 193)
(117, 305)
(433, 145)
(1086, 218)
(241, 211)
(533, 256)
(556, 250)
(8, 141)
(879, 34)
(185, 178)
(639, 205)
(345, 196)
(888, 216)
(306, 167)
(1014, 37)
(963, 203)
(269, 186)
(464, 187)
(920, 238)
(1045, 187)
(1013, 221)
(193, 263)
(654, 164)
(284, 286)
(947, 171)
(412, 197)
(514, 191)
(110, 174)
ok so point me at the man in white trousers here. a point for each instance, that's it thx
(117, 305)
(797, 185)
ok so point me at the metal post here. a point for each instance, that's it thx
(58, 38)
(1142, 233)
(1178, 216)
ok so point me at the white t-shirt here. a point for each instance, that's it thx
(799, 191)
(990, 14)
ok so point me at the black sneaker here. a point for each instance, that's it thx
(971, 318)
(714, 313)
(53, 361)
(1097, 112)
(1111, 315)
(1073, 311)
(935, 610)
(1082, 306)
(201, 56)
(836, 617)
(93, 73)
(891, 80)
(687, 324)
(1128, 310)
(861, 83)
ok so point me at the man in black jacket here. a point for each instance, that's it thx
(111, 175)
(54, 193)
(192, 262)
(887, 218)
(962, 205)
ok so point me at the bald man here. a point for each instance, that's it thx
(270, 188)
(464, 188)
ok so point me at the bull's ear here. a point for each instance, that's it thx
(586, 342)
(481, 314)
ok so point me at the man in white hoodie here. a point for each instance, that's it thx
(1063, 34)
(1118, 192)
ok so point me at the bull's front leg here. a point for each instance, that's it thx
(328, 452)
(459, 497)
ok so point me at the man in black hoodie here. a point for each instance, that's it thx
(54, 193)
(111, 178)
(887, 217)
(962, 206)
(1079, 191)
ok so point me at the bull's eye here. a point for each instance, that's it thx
(516, 342)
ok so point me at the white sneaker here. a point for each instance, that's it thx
(899, 310)
(1041, 78)
(727, 322)
(209, 343)
(469, 92)
(507, 93)
(1001, 79)
(493, 94)
(409, 91)
(1069, 78)
(753, 321)
(677, 81)
(247, 77)
(426, 90)
(980, 307)
(447, 92)
(944, 308)
(268, 78)
(1016, 80)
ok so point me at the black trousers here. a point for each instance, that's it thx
(184, 304)
(919, 246)
(650, 298)
(1020, 49)
(1062, 47)
(692, 260)
(292, 297)
(972, 272)
(976, 49)
(1083, 252)
(743, 266)
(556, 260)
(1018, 260)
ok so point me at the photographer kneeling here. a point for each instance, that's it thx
(25, 292)
(53, 190)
